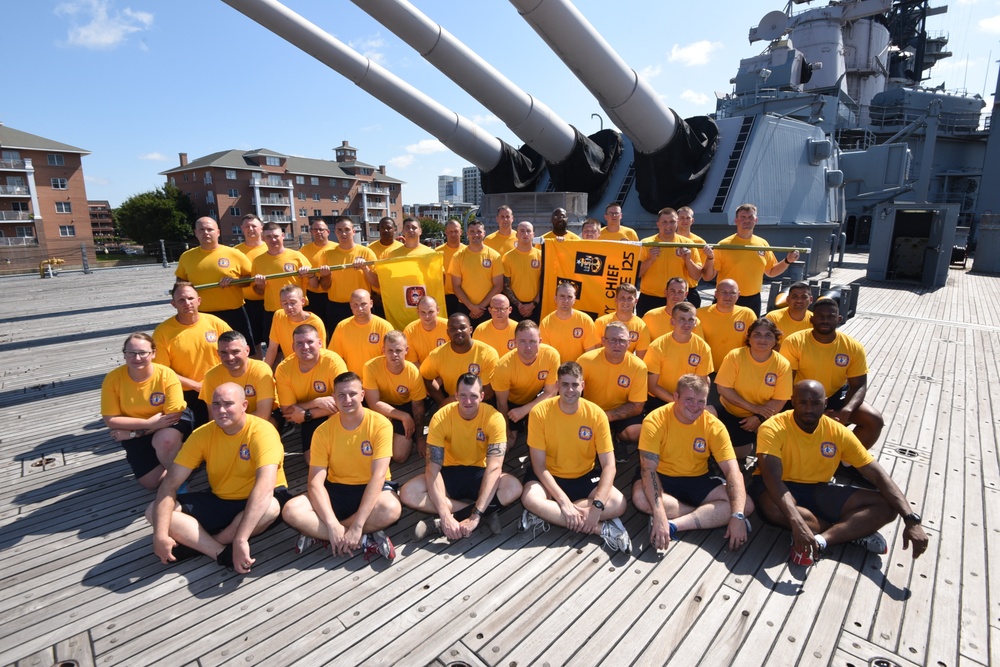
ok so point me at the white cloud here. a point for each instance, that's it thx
(96, 180)
(401, 162)
(153, 157)
(485, 119)
(447, 171)
(990, 25)
(700, 99)
(95, 24)
(696, 53)
(651, 71)
(426, 147)
(371, 48)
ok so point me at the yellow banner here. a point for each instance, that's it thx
(405, 281)
(595, 267)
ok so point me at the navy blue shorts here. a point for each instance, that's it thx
(619, 425)
(691, 491)
(737, 435)
(397, 425)
(838, 400)
(307, 430)
(139, 451)
(575, 488)
(826, 501)
(345, 499)
(213, 513)
(462, 482)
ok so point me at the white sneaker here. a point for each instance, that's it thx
(303, 543)
(873, 543)
(533, 523)
(615, 536)
(378, 543)
(425, 528)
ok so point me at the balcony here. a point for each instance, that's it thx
(18, 240)
(276, 218)
(13, 164)
(263, 183)
(15, 190)
(371, 190)
(15, 215)
(275, 201)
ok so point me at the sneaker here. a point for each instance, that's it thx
(493, 523)
(873, 543)
(533, 523)
(615, 536)
(378, 543)
(303, 543)
(425, 528)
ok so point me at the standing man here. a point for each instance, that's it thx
(658, 265)
(795, 316)
(685, 218)
(565, 434)
(838, 362)
(186, 343)
(236, 366)
(442, 367)
(358, 339)
(350, 500)
(341, 286)
(253, 303)
(277, 259)
(626, 296)
(746, 267)
(614, 230)
(522, 269)
(724, 324)
(313, 251)
(463, 481)
(393, 388)
(524, 377)
(677, 489)
(498, 331)
(799, 451)
(452, 244)
(385, 244)
(568, 330)
(289, 316)
(590, 230)
(559, 220)
(212, 262)
(411, 247)
(503, 239)
(244, 460)
(476, 274)
(426, 333)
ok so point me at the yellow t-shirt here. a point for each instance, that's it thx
(669, 360)
(477, 270)
(314, 253)
(830, 364)
(786, 325)
(524, 270)
(570, 236)
(293, 386)
(724, 331)
(346, 454)
(623, 234)
(669, 265)
(754, 381)
(382, 251)
(447, 364)
(191, 350)
(199, 266)
(448, 253)
(657, 322)
(394, 389)
(358, 343)
(422, 342)
(571, 337)
(571, 442)
(638, 334)
(525, 381)
(257, 383)
(403, 251)
(344, 282)
(465, 441)
(809, 458)
(251, 254)
(502, 244)
(501, 340)
(282, 328)
(288, 260)
(611, 385)
(684, 448)
(123, 397)
(232, 461)
(745, 267)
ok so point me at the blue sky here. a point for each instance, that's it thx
(136, 81)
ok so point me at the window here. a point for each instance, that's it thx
(209, 197)
(64, 207)
(313, 180)
(303, 213)
(334, 212)
(347, 201)
(212, 214)
(272, 161)
(392, 188)
(333, 182)
(345, 184)
(67, 230)
(393, 214)
(25, 232)
(19, 206)
(315, 196)
(208, 178)
(302, 196)
(231, 174)
(317, 213)
(273, 179)
(392, 201)
(304, 228)
(234, 193)
(237, 230)
(185, 178)
(56, 160)
(333, 198)
(59, 184)
(173, 181)
(235, 210)
(300, 180)
(10, 155)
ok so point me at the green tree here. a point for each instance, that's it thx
(165, 213)
(431, 228)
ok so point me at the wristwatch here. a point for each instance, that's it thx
(739, 515)
(307, 416)
(598, 504)
(478, 512)
(912, 519)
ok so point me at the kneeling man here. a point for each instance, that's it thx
(244, 460)
(677, 488)
(463, 482)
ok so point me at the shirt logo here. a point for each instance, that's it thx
(289, 266)
(474, 369)
(535, 264)
(374, 337)
(245, 451)
(586, 433)
(578, 332)
(487, 262)
(760, 252)
(633, 336)
(223, 262)
(249, 390)
(510, 344)
(694, 359)
(402, 390)
(624, 381)
(828, 449)
(842, 359)
(480, 436)
(157, 398)
(440, 342)
(413, 294)
(542, 375)
(319, 386)
(699, 445)
(771, 379)
(366, 447)
(740, 326)
(210, 336)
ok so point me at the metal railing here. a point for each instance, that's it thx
(16, 215)
(18, 240)
(14, 190)
(12, 164)
(264, 183)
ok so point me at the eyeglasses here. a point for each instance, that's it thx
(500, 310)
(616, 341)
(138, 354)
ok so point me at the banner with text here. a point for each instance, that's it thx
(595, 267)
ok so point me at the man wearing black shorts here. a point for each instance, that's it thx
(798, 452)
(463, 481)
(677, 488)
(244, 460)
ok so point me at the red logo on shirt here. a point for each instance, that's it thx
(289, 266)
(480, 436)
(487, 262)
(319, 386)
(157, 398)
(740, 326)
(440, 342)
(578, 332)
(624, 381)
(210, 336)
(542, 375)
(223, 262)
(828, 449)
(842, 360)
(373, 337)
(474, 369)
(402, 389)
(586, 433)
(535, 264)
(510, 344)
(694, 359)
(249, 390)
(633, 336)
(771, 379)
(245, 452)
(699, 445)
(366, 447)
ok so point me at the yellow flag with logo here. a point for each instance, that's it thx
(596, 268)
(406, 280)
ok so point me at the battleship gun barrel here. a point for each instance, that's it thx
(459, 134)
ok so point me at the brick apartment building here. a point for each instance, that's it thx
(287, 189)
(101, 224)
(43, 200)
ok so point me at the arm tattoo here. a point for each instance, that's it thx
(654, 484)
(496, 449)
(436, 454)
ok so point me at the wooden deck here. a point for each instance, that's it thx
(79, 580)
